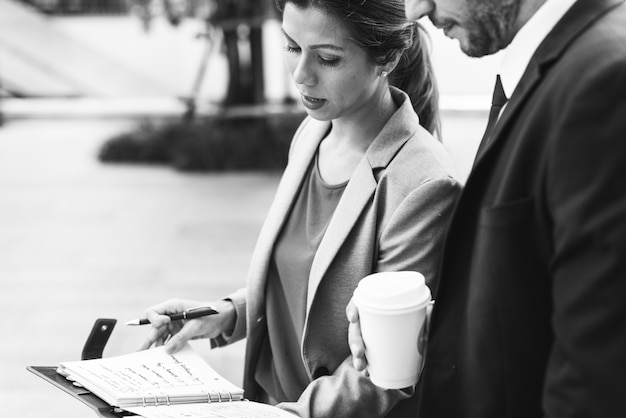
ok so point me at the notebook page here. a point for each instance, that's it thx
(242, 409)
(152, 377)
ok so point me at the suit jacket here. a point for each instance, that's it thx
(529, 317)
(392, 216)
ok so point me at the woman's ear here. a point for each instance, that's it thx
(394, 62)
(386, 69)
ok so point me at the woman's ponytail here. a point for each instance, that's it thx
(414, 75)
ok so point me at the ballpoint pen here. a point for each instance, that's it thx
(188, 314)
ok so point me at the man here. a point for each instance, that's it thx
(529, 319)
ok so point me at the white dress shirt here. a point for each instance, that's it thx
(519, 52)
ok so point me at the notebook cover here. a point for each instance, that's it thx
(49, 374)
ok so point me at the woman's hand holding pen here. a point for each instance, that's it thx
(175, 333)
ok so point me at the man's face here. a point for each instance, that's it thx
(482, 27)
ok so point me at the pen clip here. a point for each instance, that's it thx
(199, 307)
(209, 310)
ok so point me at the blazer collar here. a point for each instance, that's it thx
(402, 124)
(398, 129)
(580, 16)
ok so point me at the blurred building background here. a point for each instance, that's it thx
(80, 239)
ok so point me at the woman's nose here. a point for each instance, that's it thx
(303, 73)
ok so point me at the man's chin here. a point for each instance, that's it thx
(474, 51)
(473, 44)
(468, 49)
(476, 47)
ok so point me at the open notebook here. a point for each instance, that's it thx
(155, 384)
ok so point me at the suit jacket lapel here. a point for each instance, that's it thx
(361, 188)
(527, 83)
(577, 19)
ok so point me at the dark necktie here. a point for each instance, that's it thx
(497, 102)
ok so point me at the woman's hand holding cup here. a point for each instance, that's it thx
(355, 339)
(388, 319)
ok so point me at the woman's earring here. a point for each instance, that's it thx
(383, 73)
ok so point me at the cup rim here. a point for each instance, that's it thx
(420, 299)
(396, 309)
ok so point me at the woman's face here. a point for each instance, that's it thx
(334, 76)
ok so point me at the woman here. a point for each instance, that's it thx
(366, 189)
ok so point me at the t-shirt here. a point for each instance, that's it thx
(280, 371)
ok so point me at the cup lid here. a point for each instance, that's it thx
(392, 290)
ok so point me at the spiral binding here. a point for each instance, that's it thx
(211, 397)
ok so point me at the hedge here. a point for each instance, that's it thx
(210, 143)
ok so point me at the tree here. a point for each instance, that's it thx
(240, 22)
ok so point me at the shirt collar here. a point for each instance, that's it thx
(519, 52)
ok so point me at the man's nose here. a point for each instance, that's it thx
(416, 9)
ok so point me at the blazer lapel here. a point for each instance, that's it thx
(576, 20)
(355, 197)
(361, 188)
(300, 159)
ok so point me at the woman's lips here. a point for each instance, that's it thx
(312, 103)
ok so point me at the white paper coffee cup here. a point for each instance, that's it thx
(392, 310)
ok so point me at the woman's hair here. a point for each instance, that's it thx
(380, 27)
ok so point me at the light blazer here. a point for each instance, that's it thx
(529, 318)
(392, 216)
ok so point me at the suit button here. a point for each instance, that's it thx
(320, 371)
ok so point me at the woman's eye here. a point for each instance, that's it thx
(291, 48)
(329, 61)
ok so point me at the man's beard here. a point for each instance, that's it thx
(490, 26)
